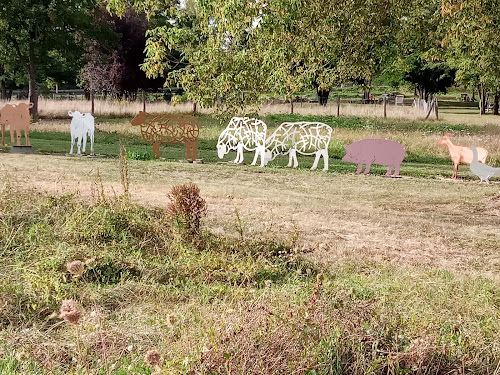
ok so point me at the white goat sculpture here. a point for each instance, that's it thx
(82, 124)
(243, 133)
(306, 138)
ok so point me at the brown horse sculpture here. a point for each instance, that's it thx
(169, 128)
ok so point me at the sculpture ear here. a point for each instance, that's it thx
(70, 113)
(30, 105)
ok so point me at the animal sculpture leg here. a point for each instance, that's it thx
(261, 151)
(11, 134)
(360, 168)
(156, 150)
(72, 144)
(84, 142)
(194, 150)
(188, 146)
(79, 146)
(325, 159)
(239, 154)
(3, 135)
(91, 143)
(256, 157)
(367, 169)
(292, 159)
(27, 136)
(389, 170)
(455, 172)
(18, 137)
(295, 161)
(396, 170)
(316, 160)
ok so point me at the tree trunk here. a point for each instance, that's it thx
(33, 91)
(366, 96)
(482, 99)
(93, 102)
(3, 88)
(322, 96)
(495, 104)
(291, 106)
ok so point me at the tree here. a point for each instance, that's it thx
(114, 67)
(473, 44)
(235, 51)
(40, 32)
(428, 78)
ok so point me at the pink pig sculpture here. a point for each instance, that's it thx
(376, 151)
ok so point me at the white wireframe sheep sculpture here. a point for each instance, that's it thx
(82, 124)
(306, 138)
(243, 133)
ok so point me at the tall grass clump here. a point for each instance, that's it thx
(186, 208)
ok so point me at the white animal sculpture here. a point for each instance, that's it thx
(483, 171)
(82, 124)
(243, 133)
(306, 138)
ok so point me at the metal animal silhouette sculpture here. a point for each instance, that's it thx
(376, 151)
(243, 133)
(82, 125)
(460, 154)
(483, 171)
(17, 117)
(176, 128)
(306, 138)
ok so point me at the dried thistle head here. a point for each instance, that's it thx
(152, 358)
(75, 267)
(70, 311)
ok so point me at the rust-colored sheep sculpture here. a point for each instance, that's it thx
(171, 128)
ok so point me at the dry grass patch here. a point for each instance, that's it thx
(407, 221)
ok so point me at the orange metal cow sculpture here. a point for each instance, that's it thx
(17, 117)
(169, 129)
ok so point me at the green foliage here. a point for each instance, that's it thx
(44, 39)
(233, 52)
(428, 78)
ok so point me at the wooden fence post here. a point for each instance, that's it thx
(385, 107)
(338, 105)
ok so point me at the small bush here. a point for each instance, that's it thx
(136, 155)
(186, 208)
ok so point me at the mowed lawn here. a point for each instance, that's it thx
(300, 271)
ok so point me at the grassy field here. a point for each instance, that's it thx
(293, 272)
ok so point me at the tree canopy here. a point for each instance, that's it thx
(43, 33)
(229, 53)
